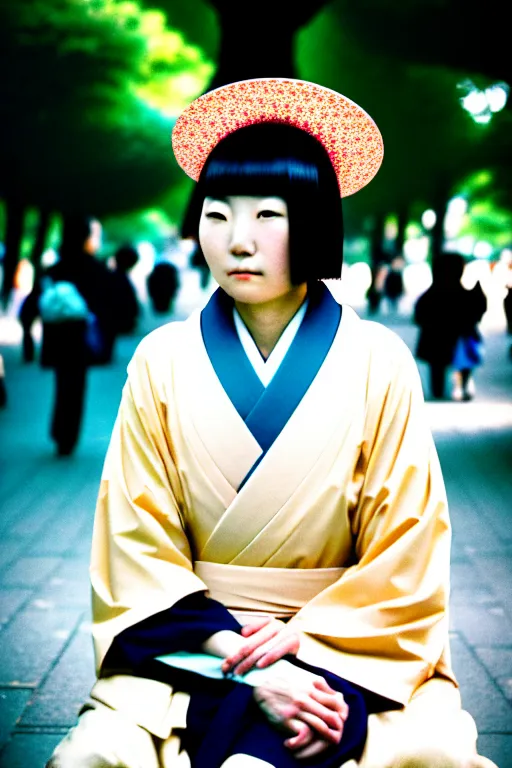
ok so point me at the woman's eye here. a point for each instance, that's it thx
(267, 214)
(216, 215)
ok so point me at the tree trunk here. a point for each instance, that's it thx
(39, 245)
(261, 47)
(15, 215)
(377, 253)
(378, 261)
(403, 220)
(437, 237)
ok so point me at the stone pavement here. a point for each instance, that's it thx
(46, 665)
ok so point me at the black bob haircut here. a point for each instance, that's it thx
(277, 159)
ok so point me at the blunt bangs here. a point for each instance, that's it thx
(279, 160)
(257, 177)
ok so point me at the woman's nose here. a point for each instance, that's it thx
(242, 242)
(243, 249)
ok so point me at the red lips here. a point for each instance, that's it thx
(243, 272)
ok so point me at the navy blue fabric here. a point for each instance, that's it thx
(184, 626)
(266, 411)
(223, 719)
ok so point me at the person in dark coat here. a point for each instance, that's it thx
(448, 316)
(126, 308)
(379, 262)
(3, 388)
(394, 283)
(163, 283)
(507, 304)
(83, 334)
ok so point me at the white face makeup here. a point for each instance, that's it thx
(245, 241)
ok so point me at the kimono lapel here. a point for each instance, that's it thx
(224, 448)
(227, 355)
(266, 411)
(301, 364)
(293, 454)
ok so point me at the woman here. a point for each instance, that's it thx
(271, 545)
(68, 296)
(126, 309)
(448, 317)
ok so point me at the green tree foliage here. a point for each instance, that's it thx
(430, 141)
(83, 95)
(458, 34)
(251, 43)
(489, 214)
(87, 97)
(402, 61)
(257, 41)
(151, 225)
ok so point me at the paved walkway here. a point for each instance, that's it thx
(46, 666)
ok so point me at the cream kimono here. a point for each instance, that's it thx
(339, 521)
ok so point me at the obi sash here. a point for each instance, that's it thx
(279, 592)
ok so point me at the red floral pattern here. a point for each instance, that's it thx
(348, 133)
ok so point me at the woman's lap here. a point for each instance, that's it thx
(104, 738)
(431, 732)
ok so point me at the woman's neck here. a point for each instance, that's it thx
(267, 321)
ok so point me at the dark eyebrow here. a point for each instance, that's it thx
(220, 198)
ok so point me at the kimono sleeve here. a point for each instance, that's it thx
(141, 561)
(384, 624)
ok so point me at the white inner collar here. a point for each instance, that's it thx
(266, 369)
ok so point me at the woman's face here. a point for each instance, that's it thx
(245, 241)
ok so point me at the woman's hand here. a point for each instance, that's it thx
(268, 641)
(303, 704)
(305, 743)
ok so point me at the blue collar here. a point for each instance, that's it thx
(266, 411)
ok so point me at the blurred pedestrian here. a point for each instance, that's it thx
(73, 299)
(448, 316)
(3, 388)
(379, 273)
(394, 283)
(29, 310)
(163, 284)
(126, 308)
(507, 303)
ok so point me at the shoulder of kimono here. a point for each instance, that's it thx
(159, 345)
(385, 343)
(391, 362)
(155, 353)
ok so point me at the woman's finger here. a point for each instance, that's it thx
(330, 717)
(287, 644)
(249, 629)
(253, 661)
(316, 747)
(262, 636)
(245, 664)
(268, 654)
(334, 701)
(262, 655)
(244, 659)
(322, 685)
(331, 731)
(303, 736)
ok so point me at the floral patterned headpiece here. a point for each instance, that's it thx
(347, 132)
